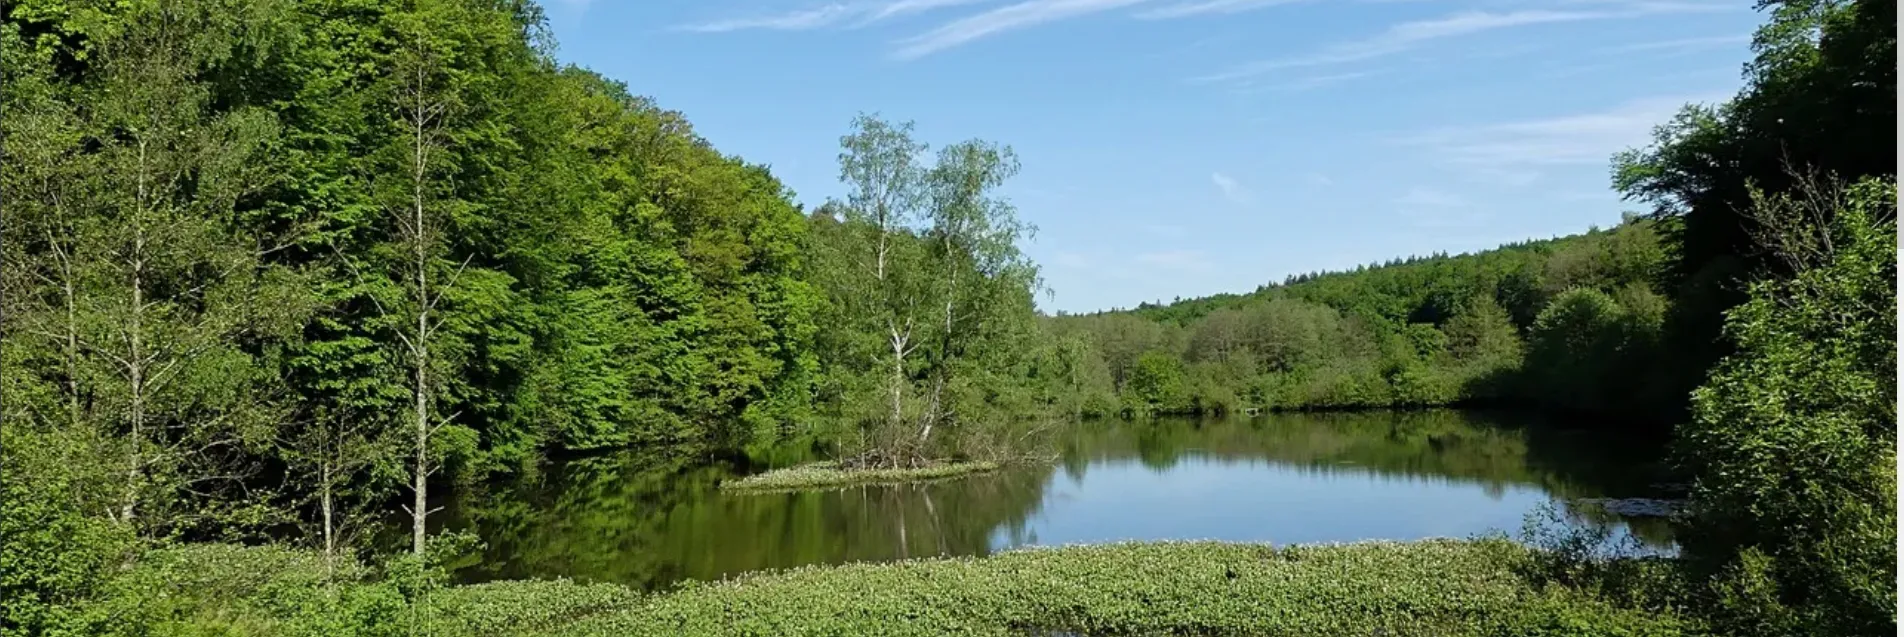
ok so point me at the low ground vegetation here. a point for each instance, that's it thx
(1438, 587)
(818, 475)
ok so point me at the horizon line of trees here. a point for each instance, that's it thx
(1570, 324)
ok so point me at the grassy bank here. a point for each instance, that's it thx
(829, 474)
(1422, 588)
(1432, 588)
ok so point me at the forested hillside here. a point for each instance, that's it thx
(255, 239)
(1570, 323)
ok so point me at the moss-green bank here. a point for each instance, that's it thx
(1432, 588)
(1439, 588)
(829, 474)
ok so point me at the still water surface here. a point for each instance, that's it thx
(1281, 478)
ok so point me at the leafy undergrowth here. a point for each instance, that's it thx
(1429, 588)
(829, 474)
(1441, 587)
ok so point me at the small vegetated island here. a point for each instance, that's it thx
(276, 274)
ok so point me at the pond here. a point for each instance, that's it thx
(1279, 478)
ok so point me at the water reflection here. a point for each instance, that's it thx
(1281, 478)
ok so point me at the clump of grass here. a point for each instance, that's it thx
(819, 475)
(1440, 587)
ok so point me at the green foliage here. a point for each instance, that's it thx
(1568, 323)
(929, 301)
(1819, 100)
(1429, 588)
(526, 607)
(207, 278)
(212, 589)
(604, 277)
(222, 589)
(53, 555)
(1157, 384)
(1572, 345)
(1071, 376)
(1793, 440)
(1426, 588)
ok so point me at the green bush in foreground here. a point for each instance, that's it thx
(829, 474)
(1794, 436)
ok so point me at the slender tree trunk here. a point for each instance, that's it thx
(69, 297)
(424, 112)
(422, 351)
(945, 348)
(421, 481)
(898, 377)
(72, 348)
(330, 533)
(135, 343)
(879, 253)
(935, 406)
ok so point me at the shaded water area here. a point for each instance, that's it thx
(1279, 478)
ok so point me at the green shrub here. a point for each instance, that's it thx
(53, 556)
(1415, 384)
(1793, 441)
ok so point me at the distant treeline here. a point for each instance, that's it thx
(1573, 323)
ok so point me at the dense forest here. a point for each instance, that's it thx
(271, 265)
(272, 273)
(1571, 324)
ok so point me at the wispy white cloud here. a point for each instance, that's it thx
(1318, 81)
(799, 20)
(1007, 18)
(1233, 191)
(1318, 179)
(853, 15)
(1686, 45)
(1402, 37)
(1184, 260)
(899, 8)
(1409, 35)
(1202, 7)
(1515, 151)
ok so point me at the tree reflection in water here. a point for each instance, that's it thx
(648, 523)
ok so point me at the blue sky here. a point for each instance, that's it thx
(1188, 147)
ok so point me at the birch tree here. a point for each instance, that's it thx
(148, 283)
(973, 234)
(934, 274)
(879, 165)
(423, 93)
